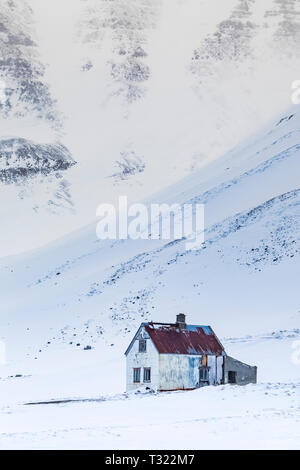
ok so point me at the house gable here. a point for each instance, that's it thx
(142, 364)
(141, 331)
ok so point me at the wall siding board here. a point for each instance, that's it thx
(180, 371)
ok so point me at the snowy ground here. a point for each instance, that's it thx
(99, 415)
(262, 416)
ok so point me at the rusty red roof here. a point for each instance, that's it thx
(194, 339)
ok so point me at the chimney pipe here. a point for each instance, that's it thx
(180, 321)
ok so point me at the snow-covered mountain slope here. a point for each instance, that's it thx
(32, 159)
(140, 94)
(20, 158)
(23, 88)
(244, 279)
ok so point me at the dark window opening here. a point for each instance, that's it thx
(142, 345)
(231, 377)
(136, 375)
(147, 374)
(203, 374)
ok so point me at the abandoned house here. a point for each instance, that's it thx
(177, 356)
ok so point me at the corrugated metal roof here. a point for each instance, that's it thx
(194, 339)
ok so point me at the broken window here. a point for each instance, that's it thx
(147, 374)
(203, 374)
(142, 345)
(136, 375)
(232, 377)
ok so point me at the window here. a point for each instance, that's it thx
(203, 374)
(136, 375)
(147, 374)
(142, 345)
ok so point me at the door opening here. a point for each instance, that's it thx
(232, 376)
(203, 376)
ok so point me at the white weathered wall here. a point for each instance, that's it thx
(180, 371)
(215, 364)
(150, 358)
(220, 360)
